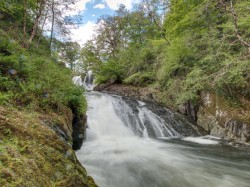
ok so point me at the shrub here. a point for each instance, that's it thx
(140, 79)
(110, 71)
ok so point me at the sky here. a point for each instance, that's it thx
(89, 11)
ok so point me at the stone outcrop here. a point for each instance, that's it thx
(222, 120)
(189, 110)
(101, 87)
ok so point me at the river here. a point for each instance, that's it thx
(127, 147)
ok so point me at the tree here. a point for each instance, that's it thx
(39, 9)
(90, 57)
(70, 54)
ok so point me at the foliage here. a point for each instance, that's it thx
(36, 81)
(198, 46)
(110, 71)
(140, 79)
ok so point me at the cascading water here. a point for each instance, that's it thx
(77, 80)
(87, 83)
(88, 80)
(130, 144)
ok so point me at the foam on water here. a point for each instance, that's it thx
(200, 140)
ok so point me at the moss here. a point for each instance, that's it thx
(32, 154)
(222, 108)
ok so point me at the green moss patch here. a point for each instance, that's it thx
(32, 154)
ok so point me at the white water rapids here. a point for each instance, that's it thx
(116, 154)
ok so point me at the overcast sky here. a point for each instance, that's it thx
(90, 11)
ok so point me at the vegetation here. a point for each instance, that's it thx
(32, 73)
(178, 47)
(32, 154)
(37, 96)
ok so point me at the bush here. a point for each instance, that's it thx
(140, 79)
(110, 71)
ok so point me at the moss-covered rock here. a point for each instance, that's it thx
(222, 118)
(32, 153)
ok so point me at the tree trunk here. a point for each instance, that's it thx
(236, 29)
(38, 16)
(24, 22)
(52, 25)
(44, 21)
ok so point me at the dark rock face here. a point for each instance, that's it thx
(174, 121)
(190, 110)
(214, 113)
(79, 126)
(143, 94)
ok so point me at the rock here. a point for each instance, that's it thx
(79, 126)
(221, 119)
(189, 109)
(238, 130)
(206, 120)
(101, 87)
(33, 150)
(218, 132)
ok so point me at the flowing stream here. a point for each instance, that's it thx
(128, 144)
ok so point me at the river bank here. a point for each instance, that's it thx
(36, 150)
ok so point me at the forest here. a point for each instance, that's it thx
(178, 47)
(182, 47)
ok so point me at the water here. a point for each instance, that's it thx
(116, 154)
(87, 83)
(77, 80)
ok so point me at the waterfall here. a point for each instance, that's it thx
(131, 143)
(88, 80)
(87, 83)
(146, 120)
(77, 80)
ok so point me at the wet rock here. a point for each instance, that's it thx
(189, 109)
(218, 132)
(79, 127)
(173, 120)
(238, 130)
